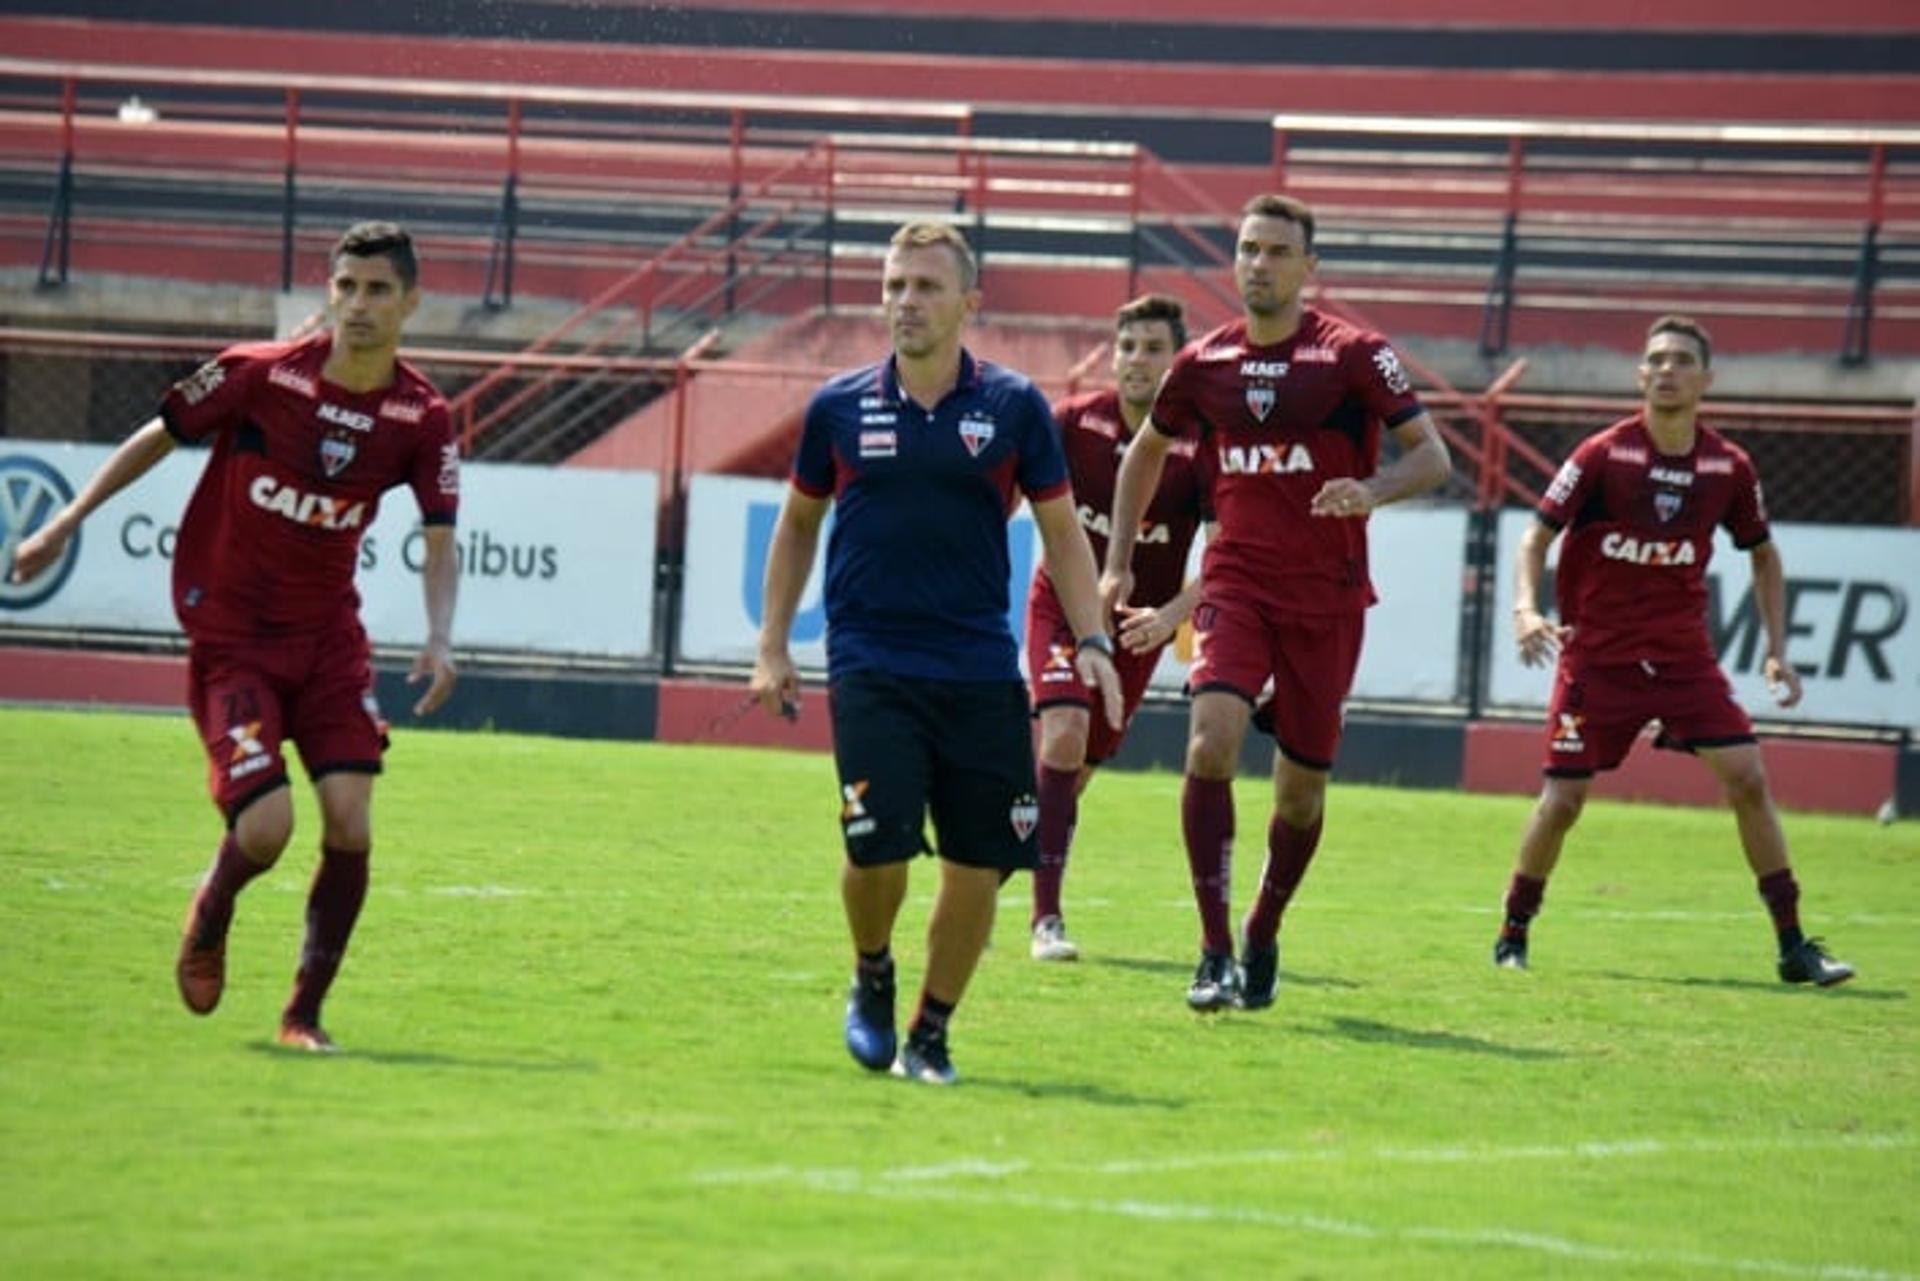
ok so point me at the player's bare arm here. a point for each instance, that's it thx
(1538, 637)
(1144, 629)
(1133, 489)
(135, 457)
(775, 683)
(1770, 600)
(440, 585)
(1422, 466)
(1070, 565)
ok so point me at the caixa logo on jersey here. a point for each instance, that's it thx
(30, 493)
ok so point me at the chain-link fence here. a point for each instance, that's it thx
(1821, 463)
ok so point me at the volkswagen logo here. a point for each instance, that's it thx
(30, 493)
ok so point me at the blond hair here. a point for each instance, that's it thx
(928, 235)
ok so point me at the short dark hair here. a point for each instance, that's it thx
(1673, 324)
(387, 240)
(1155, 307)
(1271, 205)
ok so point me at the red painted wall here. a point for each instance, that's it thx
(1675, 15)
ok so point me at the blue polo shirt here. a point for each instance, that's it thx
(917, 563)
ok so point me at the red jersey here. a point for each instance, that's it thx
(1094, 435)
(1274, 424)
(1639, 524)
(271, 537)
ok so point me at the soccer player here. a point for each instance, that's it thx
(306, 436)
(924, 455)
(1094, 430)
(1638, 503)
(1287, 406)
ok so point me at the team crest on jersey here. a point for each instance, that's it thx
(1024, 816)
(336, 451)
(1666, 504)
(1260, 400)
(976, 433)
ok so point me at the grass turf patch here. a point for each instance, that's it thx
(592, 1022)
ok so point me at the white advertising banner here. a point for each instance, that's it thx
(1851, 632)
(553, 560)
(1414, 635)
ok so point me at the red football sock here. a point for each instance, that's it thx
(229, 875)
(1206, 820)
(1289, 850)
(333, 905)
(1524, 894)
(1782, 895)
(1059, 813)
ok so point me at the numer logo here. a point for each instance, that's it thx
(30, 493)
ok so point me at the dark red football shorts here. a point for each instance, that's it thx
(1054, 682)
(315, 690)
(1598, 710)
(1238, 644)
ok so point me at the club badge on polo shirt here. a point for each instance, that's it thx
(1260, 400)
(976, 431)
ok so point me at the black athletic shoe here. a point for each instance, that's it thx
(1259, 975)
(925, 1059)
(1510, 953)
(1808, 962)
(1216, 983)
(870, 1035)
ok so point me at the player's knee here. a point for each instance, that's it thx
(1064, 749)
(1747, 787)
(348, 831)
(1560, 810)
(1211, 754)
(263, 828)
(1299, 807)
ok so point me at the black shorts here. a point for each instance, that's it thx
(962, 749)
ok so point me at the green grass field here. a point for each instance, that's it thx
(592, 1021)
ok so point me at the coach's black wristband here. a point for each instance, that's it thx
(1097, 641)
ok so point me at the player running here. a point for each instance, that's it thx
(306, 437)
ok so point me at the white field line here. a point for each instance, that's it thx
(1481, 1238)
(835, 1177)
(830, 895)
